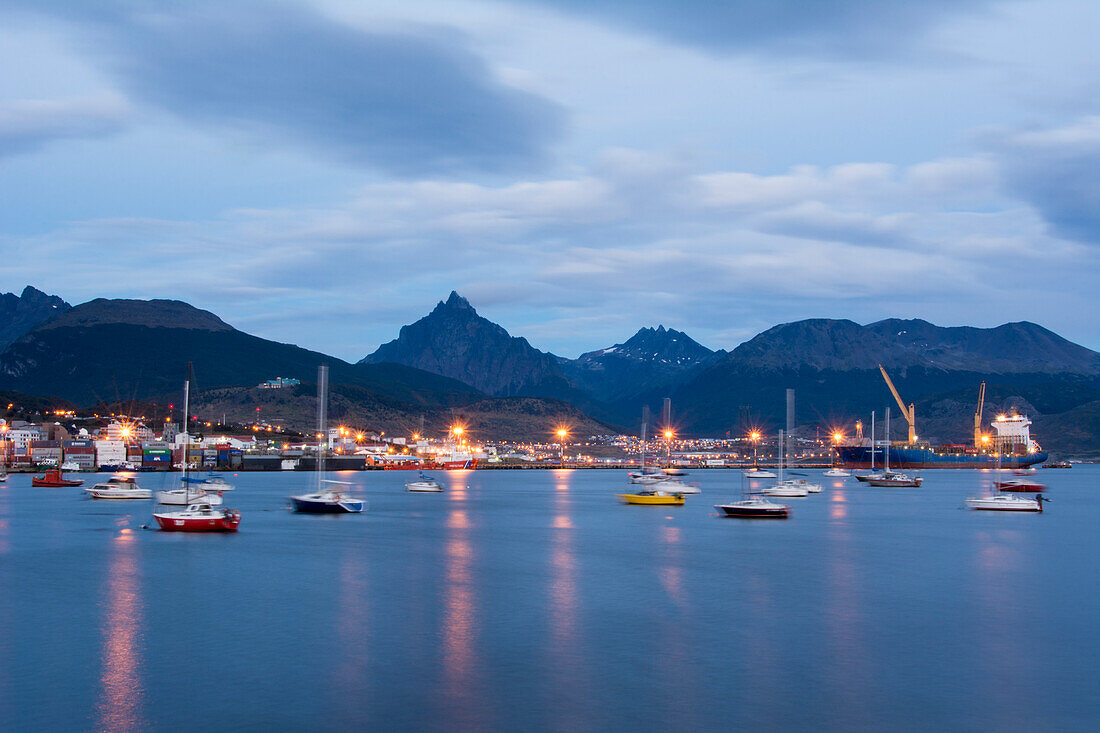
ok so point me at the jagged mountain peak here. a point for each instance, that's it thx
(21, 313)
(456, 301)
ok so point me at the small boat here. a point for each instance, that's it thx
(331, 500)
(1029, 471)
(70, 466)
(199, 517)
(119, 486)
(868, 477)
(792, 488)
(895, 480)
(1007, 503)
(3, 477)
(54, 479)
(1058, 464)
(759, 473)
(811, 488)
(676, 486)
(836, 473)
(183, 497)
(214, 483)
(1019, 484)
(675, 471)
(755, 508)
(424, 484)
(657, 497)
(647, 479)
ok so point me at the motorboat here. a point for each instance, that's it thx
(199, 517)
(330, 497)
(647, 479)
(756, 507)
(759, 473)
(70, 466)
(786, 490)
(836, 473)
(424, 484)
(656, 497)
(185, 496)
(1007, 503)
(676, 486)
(890, 479)
(214, 483)
(119, 486)
(811, 488)
(54, 479)
(1019, 484)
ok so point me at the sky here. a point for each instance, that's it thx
(321, 173)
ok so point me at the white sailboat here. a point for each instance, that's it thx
(781, 487)
(887, 478)
(328, 498)
(185, 495)
(753, 506)
(424, 484)
(999, 501)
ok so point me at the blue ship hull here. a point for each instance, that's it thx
(305, 506)
(859, 456)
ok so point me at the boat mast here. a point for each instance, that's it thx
(186, 438)
(322, 419)
(780, 453)
(887, 469)
(872, 441)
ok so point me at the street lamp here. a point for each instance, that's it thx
(562, 434)
(754, 436)
(668, 446)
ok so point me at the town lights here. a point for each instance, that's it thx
(562, 434)
(837, 437)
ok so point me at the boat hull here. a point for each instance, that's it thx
(1023, 505)
(892, 483)
(310, 506)
(423, 488)
(170, 522)
(65, 483)
(750, 512)
(1022, 486)
(116, 495)
(652, 499)
(902, 458)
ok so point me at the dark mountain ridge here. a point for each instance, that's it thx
(20, 313)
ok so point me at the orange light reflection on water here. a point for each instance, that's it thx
(120, 701)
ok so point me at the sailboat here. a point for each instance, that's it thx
(200, 515)
(753, 506)
(781, 487)
(887, 478)
(1002, 502)
(424, 484)
(329, 498)
(653, 493)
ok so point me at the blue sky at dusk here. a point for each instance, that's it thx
(322, 173)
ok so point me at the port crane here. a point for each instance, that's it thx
(978, 417)
(910, 413)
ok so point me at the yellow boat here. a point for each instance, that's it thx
(659, 499)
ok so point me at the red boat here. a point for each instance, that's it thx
(469, 463)
(199, 518)
(54, 480)
(1019, 484)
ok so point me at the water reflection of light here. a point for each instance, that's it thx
(999, 564)
(565, 655)
(848, 674)
(120, 701)
(458, 520)
(838, 505)
(351, 626)
(460, 668)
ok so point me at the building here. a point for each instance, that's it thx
(279, 383)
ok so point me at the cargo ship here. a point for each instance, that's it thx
(1011, 445)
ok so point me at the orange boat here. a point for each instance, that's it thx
(53, 479)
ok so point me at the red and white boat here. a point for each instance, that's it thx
(1020, 484)
(199, 518)
(54, 479)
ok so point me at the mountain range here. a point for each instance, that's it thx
(454, 361)
(20, 313)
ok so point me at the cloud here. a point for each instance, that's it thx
(837, 29)
(1056, 170)
(407, 101)
(635, 238)
(28, 124)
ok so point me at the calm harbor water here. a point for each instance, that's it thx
(532, 600)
